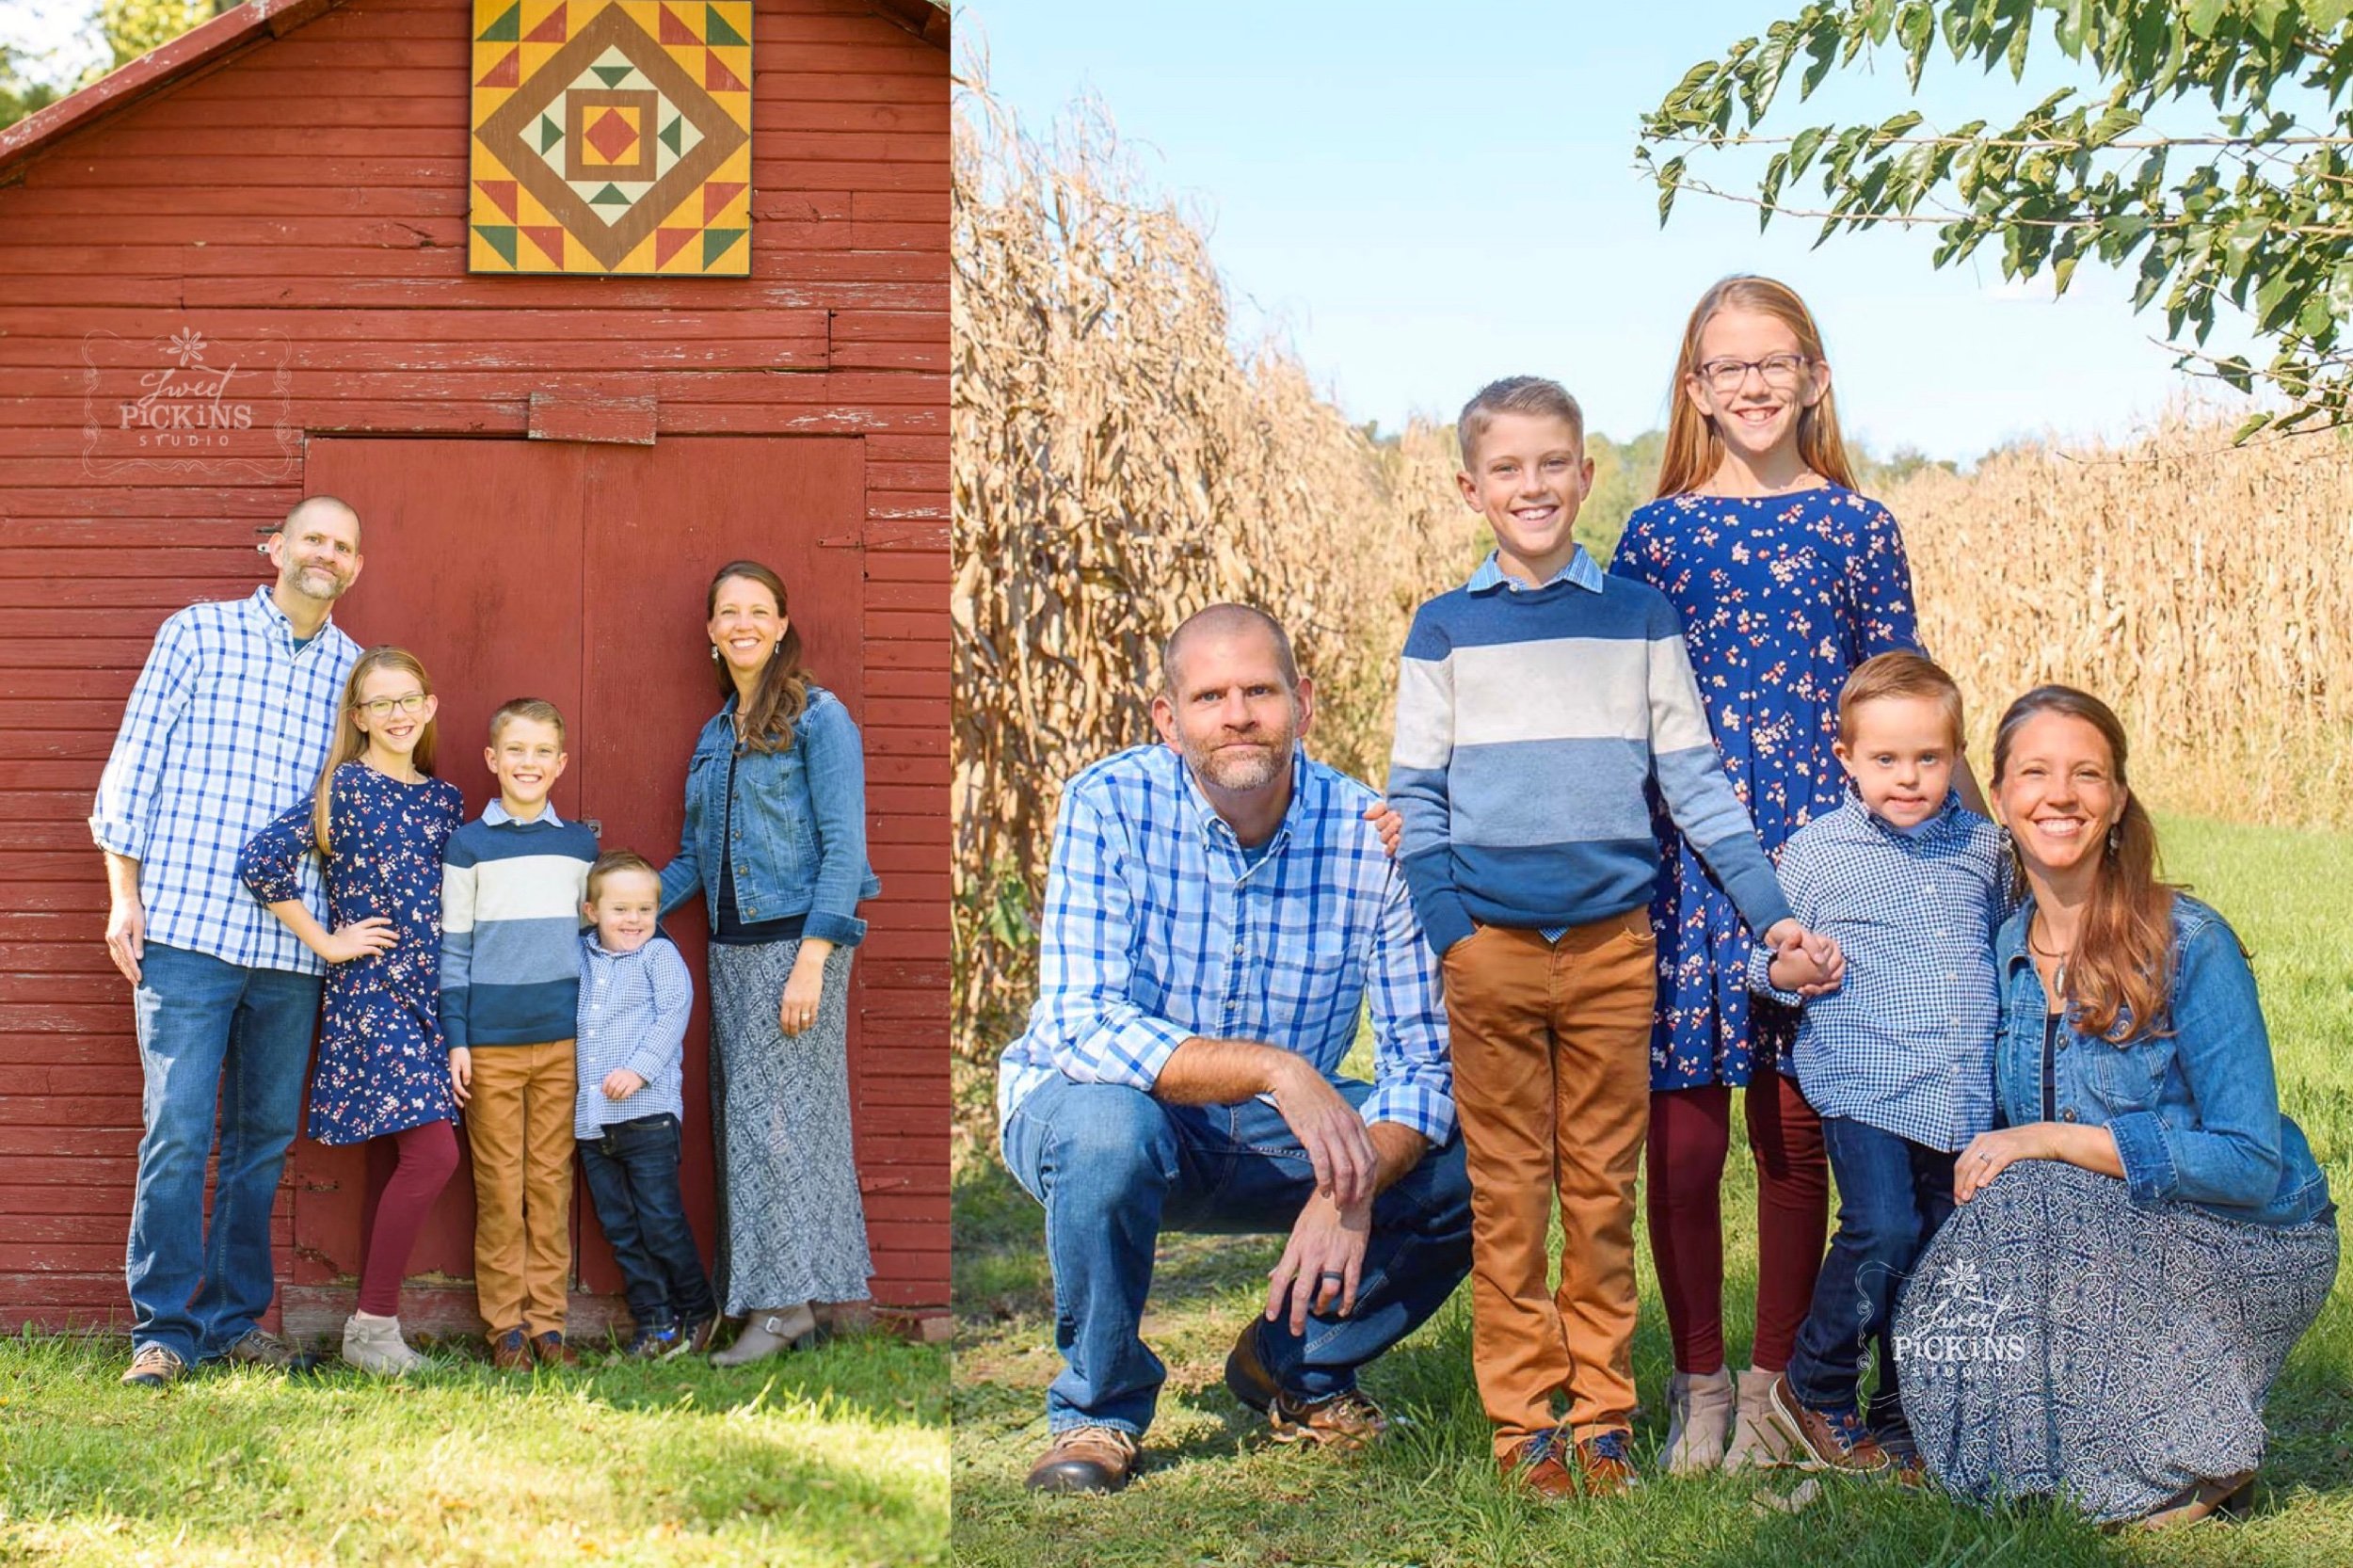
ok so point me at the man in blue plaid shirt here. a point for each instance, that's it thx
(227, 727)
(1217, 912)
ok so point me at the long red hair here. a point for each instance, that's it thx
(1694, 448)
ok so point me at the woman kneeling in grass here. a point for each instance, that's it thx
(2145, 1237)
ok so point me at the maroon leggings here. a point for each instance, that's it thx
(427, 1156)
(1691, 1132)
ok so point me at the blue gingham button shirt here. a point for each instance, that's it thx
(226, 727)
(634, 1008)
(1160, 928)
(1906, 1043)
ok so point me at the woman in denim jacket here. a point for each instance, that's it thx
(775, 840)
(2144, 1237)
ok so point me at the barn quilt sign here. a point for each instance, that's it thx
(612, 137)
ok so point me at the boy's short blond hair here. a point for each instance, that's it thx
(612, 861)
(1514, 394)
(538, 709)
(1901, 673)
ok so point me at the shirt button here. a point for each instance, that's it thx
(2068, 1114)
(1238, 947)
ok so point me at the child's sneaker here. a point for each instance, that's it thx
(511, 1351)
(656, 1342)
(1823, 1440)
(693, 1336)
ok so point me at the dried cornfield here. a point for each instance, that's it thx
(2202, 591)
(1118, 464)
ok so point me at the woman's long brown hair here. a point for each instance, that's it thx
(1695, 449)
(2120, 974)
(782, 693)
(350, 740)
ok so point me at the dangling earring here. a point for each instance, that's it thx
(2114, 836)
(714, 653)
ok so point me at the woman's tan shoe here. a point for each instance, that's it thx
(784, 1328)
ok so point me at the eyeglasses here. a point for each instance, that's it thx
(385, 707)
(1778, 370)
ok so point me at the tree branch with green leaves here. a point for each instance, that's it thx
(2214, 154)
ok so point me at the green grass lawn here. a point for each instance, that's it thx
(835, 1456)
(1217, 1493)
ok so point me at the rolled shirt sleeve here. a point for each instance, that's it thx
(123, 817)
(1413, 1077)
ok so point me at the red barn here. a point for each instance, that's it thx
(234, 272)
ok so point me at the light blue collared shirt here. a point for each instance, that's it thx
(1580, 570)
(497, 815)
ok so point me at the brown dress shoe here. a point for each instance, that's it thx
(2225, 1494)
(1085, 1458)
(510, 1350)
(552, 1351)
(1605, 1464)
(1820, 1442)
(1343, 1423)
(1535, 1464)
(261, 1348)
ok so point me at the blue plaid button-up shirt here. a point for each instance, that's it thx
(1159, 929)
(1906, 1043)
(227, 727)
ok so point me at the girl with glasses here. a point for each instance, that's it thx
(1785, 580)
(378, 822)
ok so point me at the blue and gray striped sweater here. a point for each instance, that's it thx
(510, 930)
(1529, 722)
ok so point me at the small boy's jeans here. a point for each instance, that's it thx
(631, 1169)
(1551, 1047)
(1893, 1194)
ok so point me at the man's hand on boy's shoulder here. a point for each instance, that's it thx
(1386, 822)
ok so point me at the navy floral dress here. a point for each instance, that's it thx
(1781, 597)
(382, 1063)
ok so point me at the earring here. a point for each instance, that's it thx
(2115, 837)
(714, 653)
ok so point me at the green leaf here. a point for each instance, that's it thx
(2112, 126)
(2203, 15)
(2247, 427)
(1669, 181)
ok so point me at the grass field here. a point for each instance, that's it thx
(1217, 1493)
(837, 1456)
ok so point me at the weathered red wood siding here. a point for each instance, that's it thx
(315, 185)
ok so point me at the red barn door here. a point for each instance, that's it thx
(576, 573)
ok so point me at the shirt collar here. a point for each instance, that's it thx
(1581, 569)
(497, 815)
(265, 607)
(1217, 830)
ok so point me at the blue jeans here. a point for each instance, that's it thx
(212, 1034)
(633, 1178)
(1892, 1194)
(1114, 1167)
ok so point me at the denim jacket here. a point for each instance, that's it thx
(799, 842)
(2196, 1113)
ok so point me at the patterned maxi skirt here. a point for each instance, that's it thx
(2057, 1339)
(792, 1228)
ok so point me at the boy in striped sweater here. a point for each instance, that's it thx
(1536, 704)
(512, 882)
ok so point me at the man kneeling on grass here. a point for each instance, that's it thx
(1216, 912)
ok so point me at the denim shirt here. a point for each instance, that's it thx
(798, 838)
(2196, 1113)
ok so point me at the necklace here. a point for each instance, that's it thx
(2059, 975)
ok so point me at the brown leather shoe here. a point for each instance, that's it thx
(552, 1351)
(154, 1367)
(1086, 1458)
(259, 1348)
(1605, 1464)
(1535, 1464)
(511, 1351)
(1342, 1422)
(1822, 1441)
(2229, 1494)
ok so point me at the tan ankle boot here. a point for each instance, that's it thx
(783, 1328)
(1755, 1440)
(1699, 1419)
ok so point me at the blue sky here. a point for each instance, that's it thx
(1423, 197)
